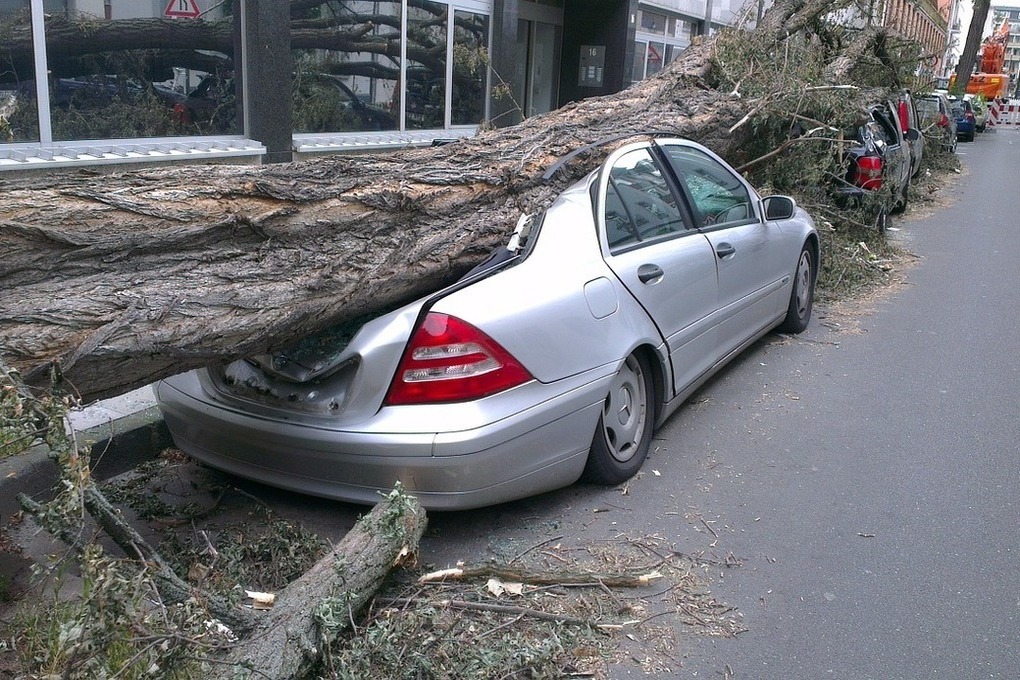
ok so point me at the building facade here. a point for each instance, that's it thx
(153, 80)
(925, 21)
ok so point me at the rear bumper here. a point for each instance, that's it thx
(851, 197)
(538, 449)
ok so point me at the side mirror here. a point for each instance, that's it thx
(913, 134)
(779, 207)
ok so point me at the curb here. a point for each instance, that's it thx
(115, 447)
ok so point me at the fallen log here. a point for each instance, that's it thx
(311, 611)
(118, 280)
(111, 282)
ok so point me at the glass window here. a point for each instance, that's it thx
(347, 67)
(19, 114)
(640, 206)
(426, 65)
(684, 30)
(107, 87)
(882, 128)
(470, 67)
(655, 58)
(653, 22)
(718, 195)
(671, 52)
(638, 69)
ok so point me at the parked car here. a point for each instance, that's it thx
(554, 360)
(878, 164)
(966, 123)
(909, 119)
(937, 119)
(322, 103)
(211, 103)
(980, 108)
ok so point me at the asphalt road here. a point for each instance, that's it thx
(864, 475)
(869, 480)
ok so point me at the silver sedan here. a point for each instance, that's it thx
(555, 360)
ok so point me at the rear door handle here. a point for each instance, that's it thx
(724, 249)
(649, 273)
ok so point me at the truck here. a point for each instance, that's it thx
(989, 81)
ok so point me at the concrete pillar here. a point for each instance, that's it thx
(267, 70)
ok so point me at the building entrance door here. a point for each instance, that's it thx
(539, 34)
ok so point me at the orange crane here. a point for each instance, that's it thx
(990, 81)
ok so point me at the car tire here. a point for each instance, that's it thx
(624, 431)
(901, 205)
(802, 297)
(882, 220)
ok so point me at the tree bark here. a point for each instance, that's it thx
(311, 611)
(965, 66)
(119, 280)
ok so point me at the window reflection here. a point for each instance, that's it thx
(638, 65)
(426, 65)
(639, 205)
(19, 114)
(347, 60)
(120, 69)
(655, 54)
(470, 67)
(128, 73)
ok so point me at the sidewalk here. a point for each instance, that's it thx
(123, 432)
(109, 410)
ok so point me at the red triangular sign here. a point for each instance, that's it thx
(182, 9)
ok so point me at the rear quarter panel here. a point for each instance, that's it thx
(539, 310)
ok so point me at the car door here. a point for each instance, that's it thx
(895, 152)
(751, 270)
(650, 243)
(909, 124)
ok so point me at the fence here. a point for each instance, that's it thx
(1004, 114)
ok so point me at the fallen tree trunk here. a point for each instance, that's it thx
(120, 280)
(311, 611)
(114, 281)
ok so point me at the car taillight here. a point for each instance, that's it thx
(868, 174)
(943, 120)
(449, 360)
(180, 114)
(904, 123)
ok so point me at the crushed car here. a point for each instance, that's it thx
(553, 361)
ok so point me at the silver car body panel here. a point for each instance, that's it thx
(570, 311)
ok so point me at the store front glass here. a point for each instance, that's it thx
(660, 37)
(470, 59)
(426, 65)
(347, 67)
(350, 76)
(124, 73)
(19, 114)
